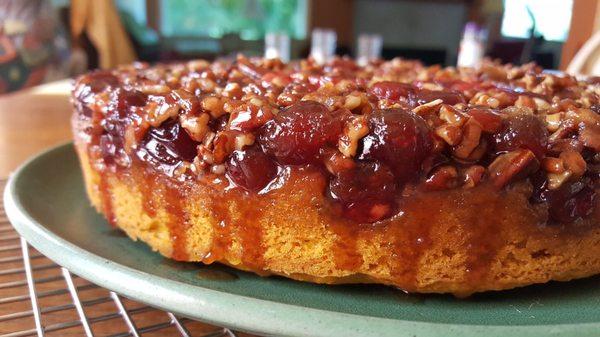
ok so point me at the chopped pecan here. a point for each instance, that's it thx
(442, 178)
(472, 176)
(428, 107)
(217, 169)
(160, 112)
(471, 135)
(553, 165)
(526, 102)
(249, 117)
(354, 129)
(485, 99)
(555, 180)
(567, 144)
(553, 122)
(244, 139)
(589, 135)
(155, 89)
(574, 162)
(477, 153)
(541, 104)
(352, 101)
(196, 126)
(213, 105)
(512, 166)
(452, 116)
(224, 145)
(451, 134)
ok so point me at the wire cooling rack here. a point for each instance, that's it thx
(38, 297)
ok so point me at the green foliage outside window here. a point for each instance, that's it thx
(251, 19)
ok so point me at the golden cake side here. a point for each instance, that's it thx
(297, 242)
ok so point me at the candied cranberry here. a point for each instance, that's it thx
(122, 100)
(251, 168)
(366, 192)
(218, 124)
(92, 84)
(296, 135)
(391, 90)
(489, 120)
(463, 86)
(167, 146)
(522, 131)
(423, 96)
(118, 118)
(570, 202)
(399, 139)
(101, 79)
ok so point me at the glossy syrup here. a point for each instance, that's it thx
(106, 198)
(482, 221)
(178, 223)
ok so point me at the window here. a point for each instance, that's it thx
(250, 19)
(552, 18)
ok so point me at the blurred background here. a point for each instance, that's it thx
(45, 40)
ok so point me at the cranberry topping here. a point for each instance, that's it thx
(251, 168)
(423, 96)
(391, 90)
(100, 80)
(219, 124)
(118, 118)
(96, 82)
(522, 131)
(489, 120)
(399, 139)
(296, 135)
(167, 146)
(124, 99)
(366, 192)
(570, 202)
(494, 131)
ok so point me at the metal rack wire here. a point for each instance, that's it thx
(38, 297)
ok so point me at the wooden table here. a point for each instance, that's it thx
(31, 121)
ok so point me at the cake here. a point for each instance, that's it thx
(428, 179)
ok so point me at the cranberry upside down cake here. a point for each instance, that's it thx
(429, 179)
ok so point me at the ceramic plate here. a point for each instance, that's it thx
(46, 202)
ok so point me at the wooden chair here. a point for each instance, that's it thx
(587, 59)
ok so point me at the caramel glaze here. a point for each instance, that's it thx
(485, 220)
(105, 193)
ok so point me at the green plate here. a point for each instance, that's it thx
(46, 202)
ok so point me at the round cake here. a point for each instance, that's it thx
(429, 179)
